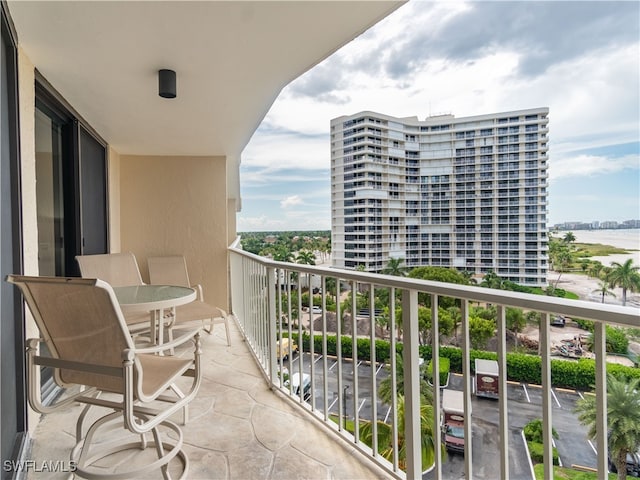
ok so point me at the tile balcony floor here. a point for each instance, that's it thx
(238, 429)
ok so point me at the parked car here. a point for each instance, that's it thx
(314, 309)
(633, 464)
(297, 385)
(558, 321)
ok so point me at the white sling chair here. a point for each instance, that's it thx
(118, 270)
(90, 346)
(172, 270)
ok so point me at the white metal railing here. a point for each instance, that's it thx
(338, 387)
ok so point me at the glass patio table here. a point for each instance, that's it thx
(154, 299)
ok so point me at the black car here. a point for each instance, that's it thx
(558, 321)
(633, 464)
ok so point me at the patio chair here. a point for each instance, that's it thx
(172, 270)
(93, 356)
(118, 270)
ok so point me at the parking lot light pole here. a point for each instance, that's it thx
(344, 400)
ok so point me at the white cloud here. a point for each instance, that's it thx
(581, 165)
(580, 59)
(260, 223)
(291, 201)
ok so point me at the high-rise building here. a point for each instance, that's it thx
(467, 193)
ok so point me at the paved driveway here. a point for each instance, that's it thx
(525, 404)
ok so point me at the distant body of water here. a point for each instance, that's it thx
(628, 239)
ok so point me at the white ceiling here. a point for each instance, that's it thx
(232, 59)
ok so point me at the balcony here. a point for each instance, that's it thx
(238, 428)
(338, 393)
(245, 423)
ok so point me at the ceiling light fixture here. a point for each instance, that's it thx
(167, 83)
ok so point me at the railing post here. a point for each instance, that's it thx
(435, 378)
(547, 422)
(503, 423)
(272, 333)
(410, 356)
(235, 263)
(466, 388)
(600, 351)
(374, 364)
(354, 362)
(394, 379)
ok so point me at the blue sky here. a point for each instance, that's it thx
(580, 59)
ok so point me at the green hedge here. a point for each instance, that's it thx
(521, 367)
(444, 368)
(536, 453)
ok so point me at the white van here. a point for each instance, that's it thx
(296, 384)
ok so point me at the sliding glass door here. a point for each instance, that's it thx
(71, 174)
(50, 191)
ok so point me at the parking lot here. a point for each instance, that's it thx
(524, 405)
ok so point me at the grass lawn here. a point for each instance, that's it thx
(568, 473)
(597, 250)
(567, 294)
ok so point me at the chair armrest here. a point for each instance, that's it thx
(168, 345)
(198, 288)
(34, 362)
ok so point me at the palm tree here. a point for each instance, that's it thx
(623, 418)
(428, 438)
(282, 253)
(624, 275)
(492, 280)
(561, 261)
(394, 267)
(595, 270)
(385, 390)
(569, 237)
(306, 257)
(603, 289)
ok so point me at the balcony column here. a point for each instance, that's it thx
(411, 385)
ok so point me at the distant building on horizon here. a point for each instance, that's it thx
(468, 193)
(604, 225)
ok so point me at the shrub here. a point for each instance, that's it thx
(585, 324)
(536, 453)
(533, 431)
(443, 367)
(617, 341)
(520, 367)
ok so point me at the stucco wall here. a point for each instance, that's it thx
(177, 205)
(27, 107)
(113, 179)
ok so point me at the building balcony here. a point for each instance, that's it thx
(238, 428)
(338, 393)
(246, 423)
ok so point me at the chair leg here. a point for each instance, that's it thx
(172, 351)
(226, 327)
(209, 330)
(89, 457)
